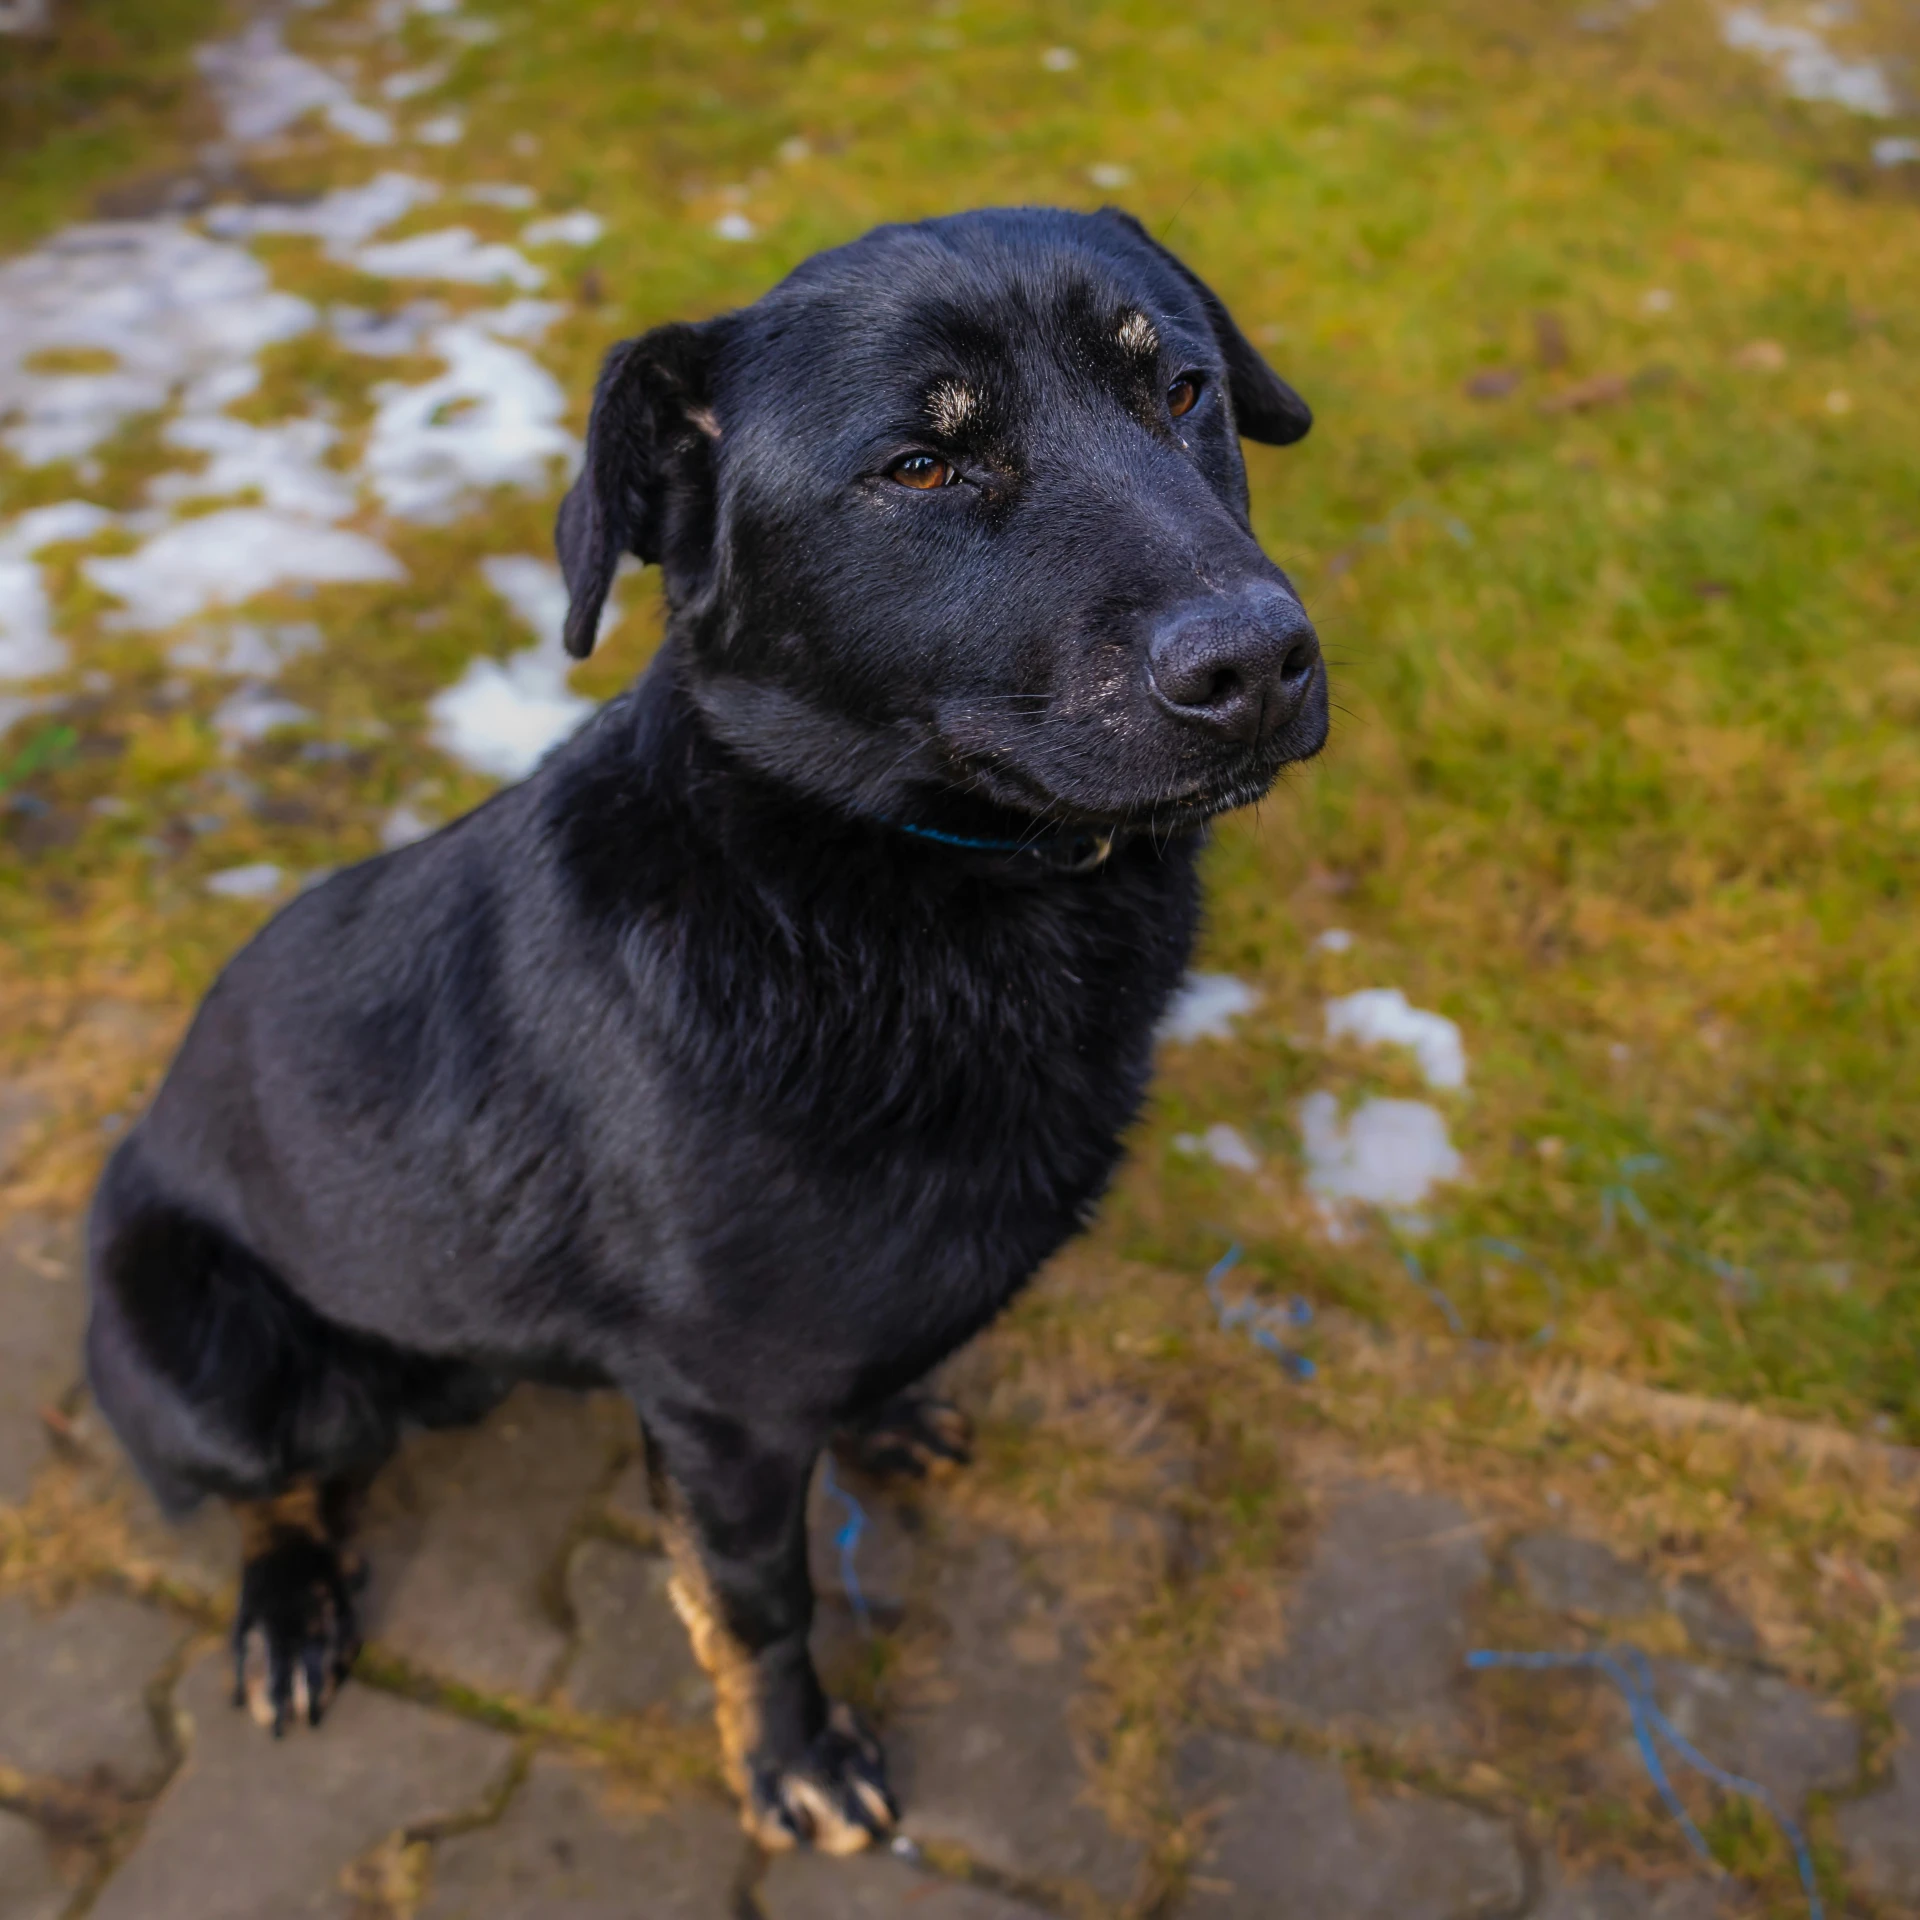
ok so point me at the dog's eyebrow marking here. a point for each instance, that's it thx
(1137, 335)
(702, 417)
(952, 403)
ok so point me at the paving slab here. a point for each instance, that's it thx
(1568, 1575)
(632, 1653)
(198, 1553)
(567, 1850)
(43, 1307)
(1379, 1627)
(1881, 1830)
(464, 1533)
(630, 1501)
(984, 1756)
(882, 1540)
(1291, 1839)
(807, 1886)
(251, 1826)
(23, 1111)
(1760, 1726)
(1610, 1894)
(73, 1689)
(30, 1889)
(1713, 1623)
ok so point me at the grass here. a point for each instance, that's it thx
(1624, 776)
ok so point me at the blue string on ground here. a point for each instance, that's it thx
(1260, 1319)
(847, 1540)
(1619, 1198)
(1418, 1275)
(1520, 1257)
(1627, 1668)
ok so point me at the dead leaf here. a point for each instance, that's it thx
(1550, 340)
(1602, 390)
(1761, 356)
(1492, 383)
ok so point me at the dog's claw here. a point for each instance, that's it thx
(910, 1437)
(295, 1635)
(834, 1800)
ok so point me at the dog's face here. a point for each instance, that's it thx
(960, 509)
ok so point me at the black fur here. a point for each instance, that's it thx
(685, 1066)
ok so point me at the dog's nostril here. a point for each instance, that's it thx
(1224, 688)
(1298, 663)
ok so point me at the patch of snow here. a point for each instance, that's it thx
(1206, 1007)
(252, 712)
(283, 462)
(28, 644)
(15, 707)
(1381, 1016)
(262, 89)
(519, 319)
(1387, 1153)
(415, 81)
(227, 557)
(402, 827)
(260, 880)
(168, 304)
(443, 130)
(577, 229)
(492, 419)
(1225, 1146)
(1059, 59)
(346, 218)
(1110, 176)
(385, 335)
(1896, 152)
(734, 226)
(1334, 940)
(502, 717)
(534, 590)
(450, 253)
(501, 193)
(244, 648)
(1807, 66)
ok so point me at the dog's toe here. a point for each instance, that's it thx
(295, 1635)
(835, 1799)
(910, 1437)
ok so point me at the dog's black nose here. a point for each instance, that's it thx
(1239, 665)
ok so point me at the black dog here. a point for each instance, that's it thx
(752, 1054)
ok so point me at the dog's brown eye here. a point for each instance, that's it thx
(922, 470)
(1181, 395)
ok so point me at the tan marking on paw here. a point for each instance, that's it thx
(703, 418)
(295, 1511)
(1137, 335)
(257, 1678)
(951, 405)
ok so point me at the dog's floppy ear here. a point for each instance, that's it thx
(1265, 408)
(647, 475)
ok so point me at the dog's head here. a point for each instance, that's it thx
(960, 509)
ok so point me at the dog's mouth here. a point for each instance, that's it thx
(1180, 807)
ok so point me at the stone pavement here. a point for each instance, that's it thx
(529, 1736)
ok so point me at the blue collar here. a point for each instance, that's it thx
(1080, 852)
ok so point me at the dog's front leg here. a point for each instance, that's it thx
(734, 1500)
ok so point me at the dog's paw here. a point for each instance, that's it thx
(833, 1799)
(908, 1438)
(296, 1634)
